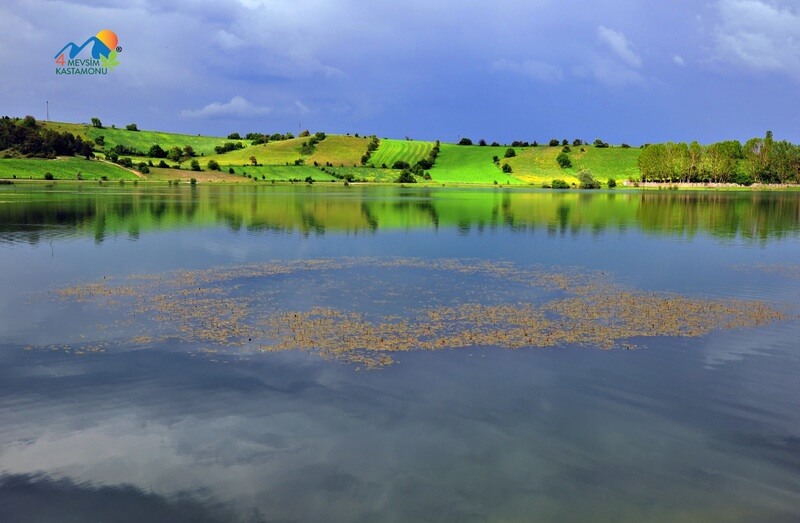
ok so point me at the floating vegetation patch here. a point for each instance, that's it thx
(361, 310)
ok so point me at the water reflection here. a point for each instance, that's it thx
(33, 214)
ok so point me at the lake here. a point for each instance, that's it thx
(328, 353)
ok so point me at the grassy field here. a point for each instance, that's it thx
(390, 151)
(455, 164)
(272, 153)
(66, 168)
(470, 164)
(538, 164)
(143, 140)
(339, 150)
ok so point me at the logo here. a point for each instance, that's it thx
(103, 51)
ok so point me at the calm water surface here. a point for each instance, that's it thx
(169, 428)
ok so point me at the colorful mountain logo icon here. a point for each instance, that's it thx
(103, 50)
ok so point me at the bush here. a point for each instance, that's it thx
(213, 165)
(587, 181)
(143, 168)
(465, 141)
(406, 177)
(554, 142)
(309, 180)
(563, 160)
(510, 153)
(612, 183)
(559, 184)
(482, 142)
(400, 164)
(195, 165)
(234, 136)
(743, 178)
(506, 168)
(162, 164)
(48, 176)
(230, 170)
(193, 181)
(131, 127)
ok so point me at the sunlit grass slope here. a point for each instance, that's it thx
(339, 151)
(470, 164)
(538, 164)
(143, 140)
(390, 151)
(62, 169)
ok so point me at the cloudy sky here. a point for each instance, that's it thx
(621, 70)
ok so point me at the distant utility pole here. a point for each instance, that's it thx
(48, 109)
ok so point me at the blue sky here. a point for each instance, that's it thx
(620, 70)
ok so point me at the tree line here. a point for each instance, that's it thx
(28, 138)
(761, 160)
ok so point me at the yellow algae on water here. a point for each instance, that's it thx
(240, 308)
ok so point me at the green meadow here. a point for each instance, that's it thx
(64, 168)
(537, 165)
(143, 140)
(285, 160)
(390, 151)
(470, 164)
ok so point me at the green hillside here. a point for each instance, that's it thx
(143, 140)
(470, 164)
(339, 150)
(340, 154)
(538, 164)
(272, 153)
(66, 168)
(390, 151)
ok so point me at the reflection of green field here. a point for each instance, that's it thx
(62, 169)
(390, 151)
(92, 209)
(470, 164)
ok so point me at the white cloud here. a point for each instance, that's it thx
(534, 69)
(238, 107)
(678, 60)
(758, 35)
(228, 41)
(619, 44)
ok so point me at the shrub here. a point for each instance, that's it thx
(559, 184)
(482, 142)
(566, 149)
(131, 127)
(743, 178)
(309, 180)
(510, 153)
(143, 168)
(612, 183)
(163, 164)
(506, 168)
(563, 160)
(465, 141)
(156, 151)
(48, 176)
(213, 165)
(400, 164)
(193, 181)
(234, 136)
(195, 165)
(406, 177)
(587, 181)
(231, 171)
(554, 142)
